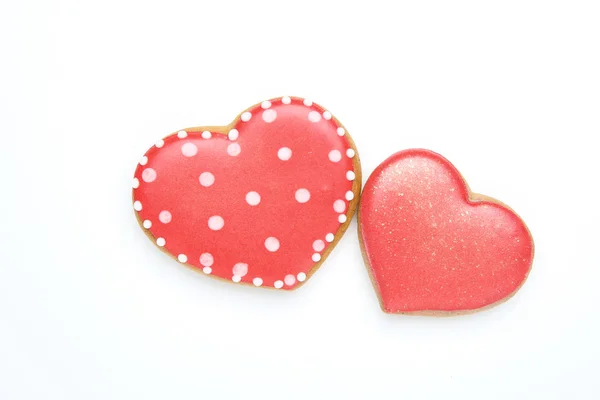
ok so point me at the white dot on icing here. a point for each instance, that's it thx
(161, 242)
(318, 245)
(182, 258)
(136, 182)
(350, 175)
(253, 198)
(236, 278)
(144, 160)
(257, 281)
(149, 175)
(246, 116)
(329, 237)
(286, 100)
(307, 102)
(240, 269)
(335, 156)
(233, 134)
(339, 206)
(314, 116)
(301, 277)
(278, 284)
(342, 218)
(165, 217)
(269, 116)
(216, 222)
(302, 195)
(207, 260)
(147, 224)
(234, 149)
(350, 153)
(189, 149)
(206, 135)
(159, 143)
(284, 153)
(289, 280)
(137, 205)
(316, 257)
(341, 131)
(349, 195)
(272, 244)
(207, 270)
(206, 179)
(327, 115)
(182, 134)
(266, 104)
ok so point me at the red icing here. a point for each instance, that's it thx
(431, 248)
(241, 244)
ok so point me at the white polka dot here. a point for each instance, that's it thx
(182, 258)
(189, 149)
(350, 153)
(286, 100)
(330, 237)
(206, 135)
(182, 134)
(165, 217)
(318, 245)
(136, 182)
(316, 257)
(335, 156)
(278, 284)
(302, 195)
(327, 115)
(289, 280)
(284, 153)
(236, 278)
(342, 218)
(253, 198)
(206, 179)
(233, 134)
(266, 104)
(272, 244)
(149, 175)
(161, 242)
(159, 143)
(137, 205)
(307, 102)
(144, 160)
(147, 224)
(234, 149)
(216, 223)
(246, 116)
(207, 259)
(349, 195)
(301, 277)
(257, 281)
(269, 116)
(339, 206)
(314, 116)
(240, 269)
(207, 270)
(350, 175)
(341, 131)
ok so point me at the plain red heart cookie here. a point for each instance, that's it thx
(432, 246)
(261, 201)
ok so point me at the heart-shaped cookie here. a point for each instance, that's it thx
(432, 246)
(261, 201)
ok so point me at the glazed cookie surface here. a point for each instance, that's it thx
(262, 201)
(432, 247)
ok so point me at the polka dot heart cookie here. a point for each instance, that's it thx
(262, 201)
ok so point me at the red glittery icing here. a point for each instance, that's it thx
(431, 245)
(261, 201)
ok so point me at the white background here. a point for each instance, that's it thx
(508, 91)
